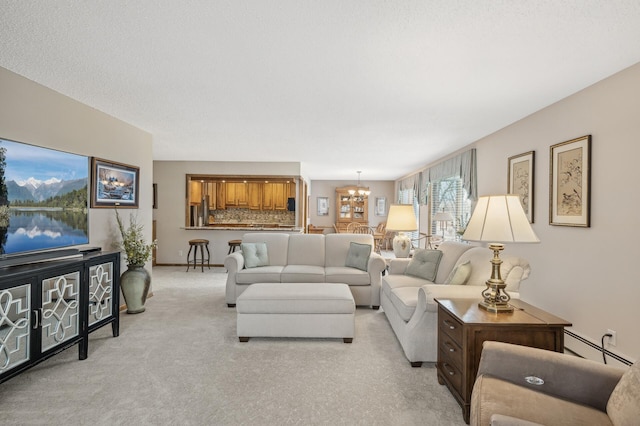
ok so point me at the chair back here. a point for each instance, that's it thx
(351, 227)
(363, 229)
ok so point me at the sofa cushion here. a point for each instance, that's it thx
(347, 275)
(460, 274)
(302, 274)
(424, 264)
(255, 254)
(623, 406)
(337, 246)
(358, 256)
(451, 252)
(392, 281)
(405, 300)
(306, 249)
(260, 274)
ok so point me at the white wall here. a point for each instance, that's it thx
(584, 275)
(170, 176)
(327, 188)
(37, 115)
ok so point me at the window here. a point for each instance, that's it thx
(449, 186)
(449, 196)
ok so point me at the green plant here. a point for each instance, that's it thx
(137, 251)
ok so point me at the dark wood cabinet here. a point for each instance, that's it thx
(48, 307)
(463, 327)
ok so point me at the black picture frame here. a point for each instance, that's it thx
(570, 183)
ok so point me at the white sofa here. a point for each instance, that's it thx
(408, 301)
(307, 258)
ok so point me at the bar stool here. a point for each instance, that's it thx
(233, 245)
(193, 245)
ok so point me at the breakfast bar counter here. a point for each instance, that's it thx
(233, 227)
(219, 236)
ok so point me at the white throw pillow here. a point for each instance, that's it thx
(255, 254)
(460, 274)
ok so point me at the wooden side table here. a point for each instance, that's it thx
(463, 326)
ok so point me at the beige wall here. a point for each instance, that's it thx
(170, 176)
(327, 188)
(37, 115)
(584, 275)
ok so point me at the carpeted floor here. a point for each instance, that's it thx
(180, 363)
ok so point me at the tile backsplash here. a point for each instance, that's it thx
(281, 217)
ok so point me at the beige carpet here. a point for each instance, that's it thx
(180, 363)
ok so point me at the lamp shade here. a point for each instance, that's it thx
(499, 219)
(401, 218)
(443, 217)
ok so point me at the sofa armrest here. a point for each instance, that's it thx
(375, 267)
(233, 263)
(566, 376)
(502, 420)
(398, 266)
(446, 291)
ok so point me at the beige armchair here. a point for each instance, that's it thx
(519, 385)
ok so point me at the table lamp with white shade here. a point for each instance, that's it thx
(443, 218)
(401, 219)
(498, 219)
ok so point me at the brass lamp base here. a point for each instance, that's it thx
(496, 299)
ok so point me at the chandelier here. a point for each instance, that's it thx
(359, 189)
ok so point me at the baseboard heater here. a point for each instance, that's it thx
(596, 347)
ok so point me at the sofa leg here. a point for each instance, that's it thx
(347, 339)
(243, 339)
(231, 305)
(416, 364)
(375, 308)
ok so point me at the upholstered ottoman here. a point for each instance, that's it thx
(296, 310)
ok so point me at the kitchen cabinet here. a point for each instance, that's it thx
(255, 195)
(237, 194)
(221, 196)
(198, 190)
(275, 195)
(195, 192)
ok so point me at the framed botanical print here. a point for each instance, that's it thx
(570, 183)
(520, 180)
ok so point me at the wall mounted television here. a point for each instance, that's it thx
(43, 199)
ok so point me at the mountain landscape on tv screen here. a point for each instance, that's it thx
(33, 190)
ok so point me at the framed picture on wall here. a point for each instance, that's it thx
(114, 184)
(520, 180)
(323, 206)
(570, 183)
(381, 206)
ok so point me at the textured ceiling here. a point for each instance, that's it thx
(339, 85)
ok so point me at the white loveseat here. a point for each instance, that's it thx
(307, 258)
(408, 301)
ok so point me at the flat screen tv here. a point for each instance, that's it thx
(43, 199)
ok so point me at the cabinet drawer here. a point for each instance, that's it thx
(450, 373)
(448, 325)
(451, 352)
